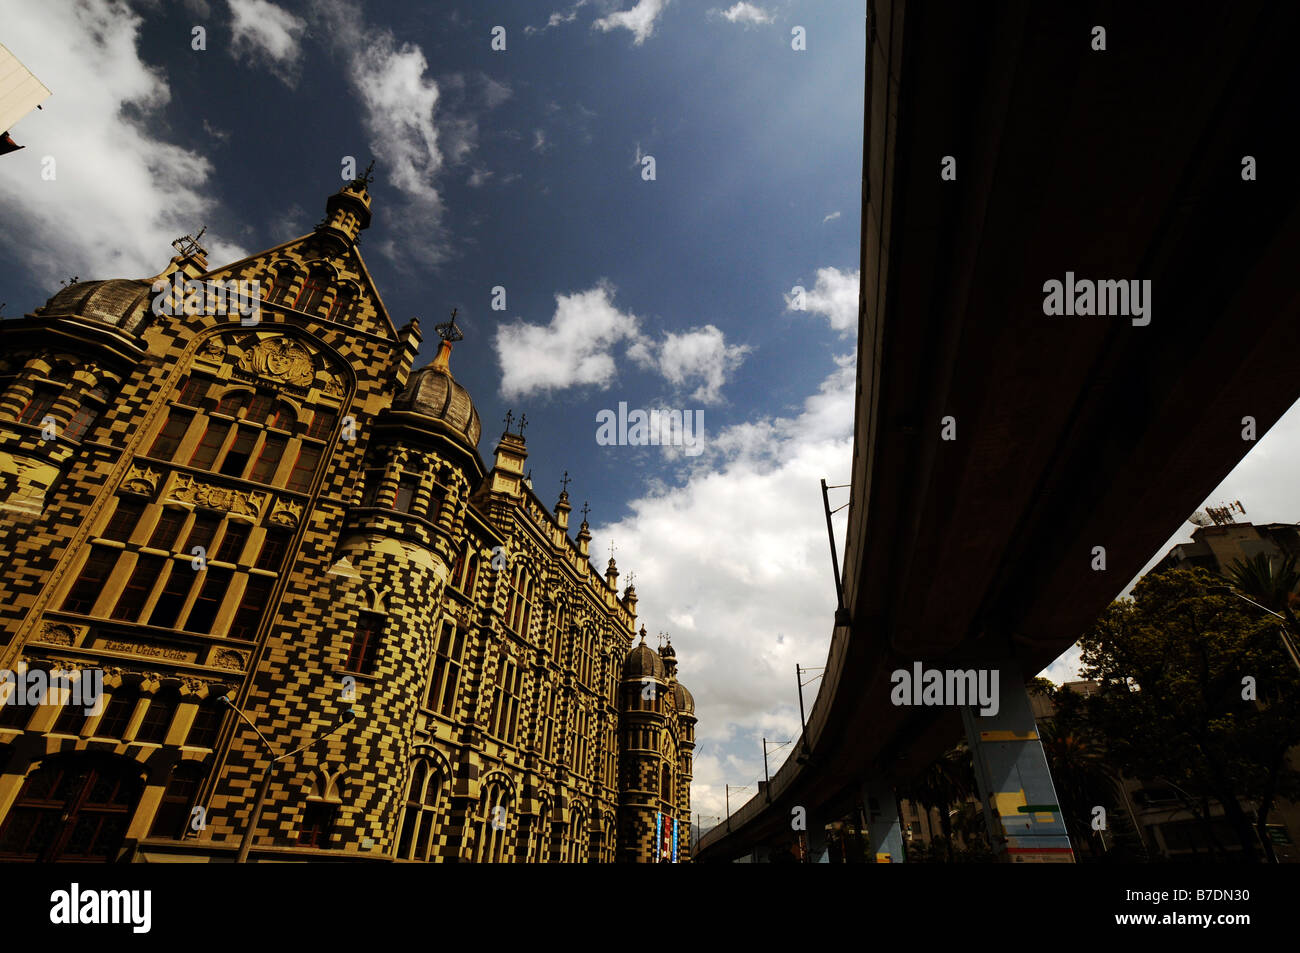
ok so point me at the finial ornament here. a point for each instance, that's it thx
(188, 246)
(365, 178)
(564, 483)
(631, 580)
(448, 330)
(523, 422)
(585, 510)
(508, 419)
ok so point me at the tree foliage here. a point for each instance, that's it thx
(1178, 666)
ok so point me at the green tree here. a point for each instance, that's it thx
(1177, 665)
(1271, 582)
(949, 780)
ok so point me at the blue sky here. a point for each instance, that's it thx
(524, 169)
(521, 169)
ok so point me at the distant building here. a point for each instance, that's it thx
(1216, 547)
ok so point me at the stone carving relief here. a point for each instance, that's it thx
(140, 480)
(228, 658)
(280, 359)
(286, 513)
(242, 502)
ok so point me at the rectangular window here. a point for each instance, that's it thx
(252, 605)
(322, 424)
(123, 521)
(136, 592)
(208, 603)
(202, 532)
(169, 438)
(304, 468)
(117, 713)
(172, 598)
(274, 547)
(207, 724)
(167, 529)
(71, 720)
(506, 708)
(241, 450)
(39, 404)
(365, 645)
(445, 680)
(174, 813)
(81, 597)
(157, 719)
(214, 436)
(258, 408)
(269, 459)
(232, 544)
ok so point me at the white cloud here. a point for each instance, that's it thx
(835, 295)
(640, 19)
(747, 14)
(478, 178)
(574, 349)
(400, 103)
(831, 217)
(558, 18)
(122, 192)
(733, 563)
(539, 142)
(263, 33)
(699, 354)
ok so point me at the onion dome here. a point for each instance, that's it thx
(642, 661)
(433, 392)
(121, 302)
(685, 700)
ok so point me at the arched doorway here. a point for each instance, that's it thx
(73, 808)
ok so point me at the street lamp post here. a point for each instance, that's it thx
(1286, 637)
(246, 842)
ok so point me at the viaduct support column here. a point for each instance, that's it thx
(1021, 813)
(884, 831)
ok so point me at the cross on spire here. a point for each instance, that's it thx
(508, 419)
(448, 330)
(611, 549)
(585, 510)
(365, 178)
(523, 422)
(631, 580)
(564, 483)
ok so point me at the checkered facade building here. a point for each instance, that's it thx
(276, 507)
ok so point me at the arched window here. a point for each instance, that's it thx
(343, 302)
(38, 405)
(420, 816)
(73, 808)
(666, 784)
(493, 824)
(282, 284)
(233, 402)
(578, 840)
(542, 834)
(91, 407)
(313, 290)
(465, 573)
